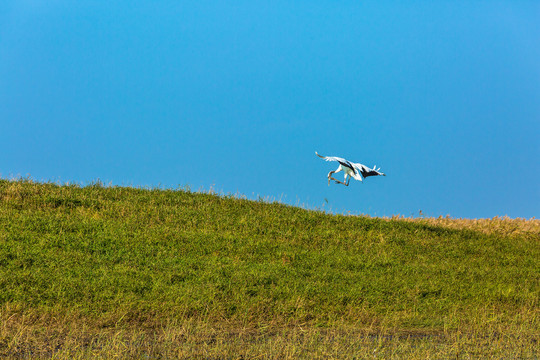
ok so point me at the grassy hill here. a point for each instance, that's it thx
(107, 271)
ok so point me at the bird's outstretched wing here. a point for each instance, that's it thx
(331, 158)
(342, 161)
(365, 171)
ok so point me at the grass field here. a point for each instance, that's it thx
(108, 272)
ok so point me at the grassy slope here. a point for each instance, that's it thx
(144, 258)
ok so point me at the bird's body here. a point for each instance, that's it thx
(350, 169)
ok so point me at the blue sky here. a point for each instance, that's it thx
(238, 96)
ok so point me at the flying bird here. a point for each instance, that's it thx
(350, 169)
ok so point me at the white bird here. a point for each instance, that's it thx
(354, 170)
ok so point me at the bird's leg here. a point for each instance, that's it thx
(333, 172)
(347, 178)
(336, 180)
(330, 177)
(340, 182)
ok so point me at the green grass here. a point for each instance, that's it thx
(157, 267)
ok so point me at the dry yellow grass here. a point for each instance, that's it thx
(28, 334)
(504, 225)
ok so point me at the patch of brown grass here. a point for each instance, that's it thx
(30, 334)
(504, 225)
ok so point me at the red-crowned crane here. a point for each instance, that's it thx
(351, 170)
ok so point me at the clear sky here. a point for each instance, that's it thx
(238, 96)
